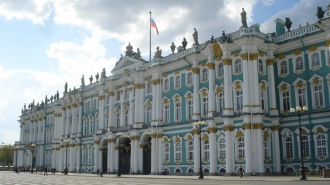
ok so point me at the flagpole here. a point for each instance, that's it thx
(150, 38)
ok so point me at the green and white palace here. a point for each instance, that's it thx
(244, 86)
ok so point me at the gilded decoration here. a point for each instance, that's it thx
(319, 130)
(227, 61)
(121, 91)
(219, 90)
(177, 140)
(204, 93)
(246, 126)
(222, 160)
(97, 142)
(254, 56)
(318, 107)
(205, 137)
(177, 161)
(270, 61)
(261, 54)
(217, 51)
(116, 147)
(267, 159)
(239, 134)
(189, 96)
(165, 140)
(74, 105)
(297, 52)
(238, 85)
(166, 101)
(189, 138)
(275, 128)
(160, 135)
(288, 159)
(229, 128)
(236, 54)
(195, 131)
(148, 103)
(327, 43)
(240, 159)
(300, 84)
(281, 56)
(316, 81)
(195, 70)
(210, 65)
(312, 48)
(203, 64)
(244, 56)
(63, 108)
(284, 87)
(126, 70)
(153, 135)
(111, 93)
(212, 129)
(177, 99)
(188, 68)
(266, 134)
(176, 72)
(117, 88)
(165, 75)
(135, 137)
(263, 86)
(258, 126)
(141, 145)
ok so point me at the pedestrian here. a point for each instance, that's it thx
(45, 171)
(98, 171)
(241, 171)
(75, 170)
(36, 170)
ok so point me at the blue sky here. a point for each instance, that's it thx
(45, 43)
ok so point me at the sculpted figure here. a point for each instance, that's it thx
(66, 87)
(138, 54)
(46, 100)
(320, 13)
(24, 106)
(243, 18)
(158, 53)
(91, 79)
(288, 23)
(173, 47)
(195, 36)
(82, 80)
(51, 99)
(184, 43)
(97, 76)
(103, 73)
(57, 95)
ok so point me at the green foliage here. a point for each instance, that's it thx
(7, 154)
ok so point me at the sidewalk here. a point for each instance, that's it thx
(220, 178)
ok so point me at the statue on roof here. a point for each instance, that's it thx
(97, 76)
(103, 73)
(91, 79)
(42, 105)
(66, 87)
(173, 47)
(24, 106)
(320, 13)
(137, 54)
(57, 95)
(129, 51)
(184, 43)
(82, 80)
(288, 23)
(243, 18)
(195, 36)
(158, 53)
(51, 99)
(22, 111)
(223, 38)
(46, 100)
(212, 39)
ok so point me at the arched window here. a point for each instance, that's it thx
(301, 97)
(178, 151)
(206, 150)
(189, 79)
(85, 128)
(166, 85)
(177, 110)
(221, 102)
(318, 95)
(286, 100)
(222, 148)
(149, 110)
(241, 153)
(126, 118)
(299, 64)
(190, 150)
(190, 108)
(118, 95)
(205, 74)
(177, 82)
(220, 70)
(305, 146)
(91, 130)
(238, 66)
(288, 147)
(167, 152)
(92, 104)
(261, 66)
(83, 156)
(321, 145)
(149, 88)
(266, 150)
(118, 120)
(166, 113)
(239, 99)
(126, 94)
(315, 60)
(284, 68)
(205, 105)
(90, 156)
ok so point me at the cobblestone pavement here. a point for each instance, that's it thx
(92, 179)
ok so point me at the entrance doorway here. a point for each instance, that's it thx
(147, 157)
(125, 156)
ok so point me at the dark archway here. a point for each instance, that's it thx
(104, 150)
(147, 157)
(125, 156)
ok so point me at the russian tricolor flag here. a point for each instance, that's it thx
(153, 24)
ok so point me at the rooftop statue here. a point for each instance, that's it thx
(184, 43)
(54, 96)
(288, 23)
(212, 39)
(129, 51)
(320, 13)
(91, 79)
(46, 100)
(82, 80)
(42, 104)
(158, 53)
(103, 73)
(24, 106)
(173, 47)
(243, 18)
(57, 95)
(223, 38)
(138, 54)
(97, 76)
(51, 99)
(195, 36)
(66, 87)
(22, 111)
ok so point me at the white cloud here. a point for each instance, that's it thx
(35, 10)
(8, 136)
(267, 2)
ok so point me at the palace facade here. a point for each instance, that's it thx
(242, 85)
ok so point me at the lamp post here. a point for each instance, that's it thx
(33, 146)
(198, 125)
(66, 141)
(119, 134)
(16, 147)
(302, 167)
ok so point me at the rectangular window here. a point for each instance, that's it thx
(318, 95)
(167, 113)
(262, 100)
(301, 97)
(205, 106)
(286, 101)
(190, 109)
(239, 100)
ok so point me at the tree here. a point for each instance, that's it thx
(7, 154)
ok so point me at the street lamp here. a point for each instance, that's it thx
(302, 167)
(17, 147)
(33, 146)
(66, 141)
(198, 125)
(119, 134)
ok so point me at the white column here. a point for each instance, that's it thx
(158, 100)
(62, 124)
(260, 149)
(227, 85)
(111, 115)
(68, 108)
(21, 131)
(248, 148)
(247, 82)
(80, 119)
(213, 152)
(153, 111)
(41, 155)
(196, 151)
(255, 87)
(140, 156)
(153, 153)
(272, 94)
(276, 153)
(133, 156)
(96, 156)
(74, 122)
(116, 157)
(230, 155)
(211, 95)
(101, 112)
(196, 108)
(159, 156)
(62, 157)
(72, 156)
(109, 154)
(54, 157)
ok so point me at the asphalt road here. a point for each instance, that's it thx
(90, 179)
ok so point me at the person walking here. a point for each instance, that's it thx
(241, 171)
(98, 171)
(45, 171)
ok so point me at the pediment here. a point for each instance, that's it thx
(127, 63)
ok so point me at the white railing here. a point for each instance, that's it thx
(296, 33)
